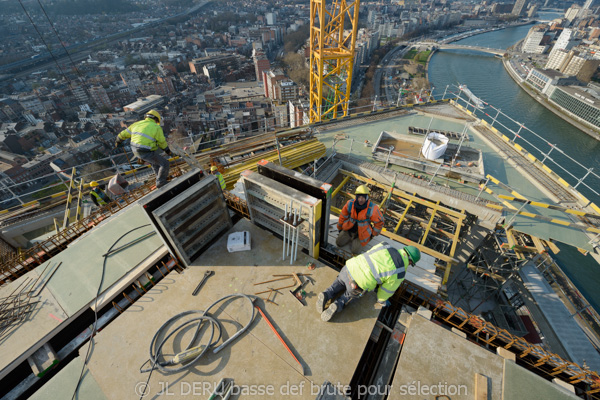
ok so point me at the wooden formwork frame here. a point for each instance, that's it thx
(410, 200)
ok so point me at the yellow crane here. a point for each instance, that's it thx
(331, 57)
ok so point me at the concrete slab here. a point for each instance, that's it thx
(257, 360)
(520, 383)
(435, 362)
(572, 338)
(24, 339)
(63, 384)
(76, 283)
(445, 117)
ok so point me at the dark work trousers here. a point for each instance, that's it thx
(160, 165)
(342, 284)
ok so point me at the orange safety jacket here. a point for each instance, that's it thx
(371, 214)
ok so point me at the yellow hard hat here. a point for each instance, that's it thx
(94, 184)
(154, 115)
(362, 189)
(213, 168)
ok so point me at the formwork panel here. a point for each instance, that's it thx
(313, 187)
(193, 218)
(267, 200)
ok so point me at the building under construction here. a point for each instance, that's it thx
(190, 290)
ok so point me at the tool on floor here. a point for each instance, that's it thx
(299, 292)
(274, 293)
(275, 289)
(223, 390)
(268, 321)
(206, 275)
(279, 277)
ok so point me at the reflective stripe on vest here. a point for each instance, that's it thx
(221, 180)
(144, 135)
(400, 269)
(98, 198)
(361, 222)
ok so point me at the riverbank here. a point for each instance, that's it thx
(551, 107)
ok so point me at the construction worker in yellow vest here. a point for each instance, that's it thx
(97, 194)
(146, 138)
(215, 171)
(383, 266)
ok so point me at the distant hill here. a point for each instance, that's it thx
(82, 7)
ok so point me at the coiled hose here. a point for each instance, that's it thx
(194, 350)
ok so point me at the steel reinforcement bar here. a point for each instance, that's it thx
(533, 357)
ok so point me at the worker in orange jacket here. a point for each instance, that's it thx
(360, 220)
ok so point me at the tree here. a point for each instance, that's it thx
(296, 69)
(293, 41)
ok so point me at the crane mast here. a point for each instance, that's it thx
(331, 57)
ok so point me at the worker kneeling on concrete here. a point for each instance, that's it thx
(98, 196)
(356, 219)
(215, 171)
(383, 266)
(146, 138)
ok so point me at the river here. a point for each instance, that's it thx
(486, 78)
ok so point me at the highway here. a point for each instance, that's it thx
(384, 72)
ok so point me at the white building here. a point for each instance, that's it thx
(563, 40)
(572, 12)
(556, 59)
(271, 18)
(532, 43)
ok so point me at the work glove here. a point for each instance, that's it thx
(118, 143)
(380, 304)
(168, 151)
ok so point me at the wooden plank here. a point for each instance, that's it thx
(538, 244)
(422, 248)
(481, 387)
(551, 246)
(402, 194)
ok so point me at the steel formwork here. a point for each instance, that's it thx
(268, 202)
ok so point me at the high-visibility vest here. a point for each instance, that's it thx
(371, 214)
(98, 197)
(383, 265)
(221, 180)
(145, 135)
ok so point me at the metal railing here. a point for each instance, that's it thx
(522, 134)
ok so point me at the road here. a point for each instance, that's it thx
(384, 72)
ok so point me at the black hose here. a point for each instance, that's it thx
(168, 367)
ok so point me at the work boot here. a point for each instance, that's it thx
(327, 314)
(321, 300)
